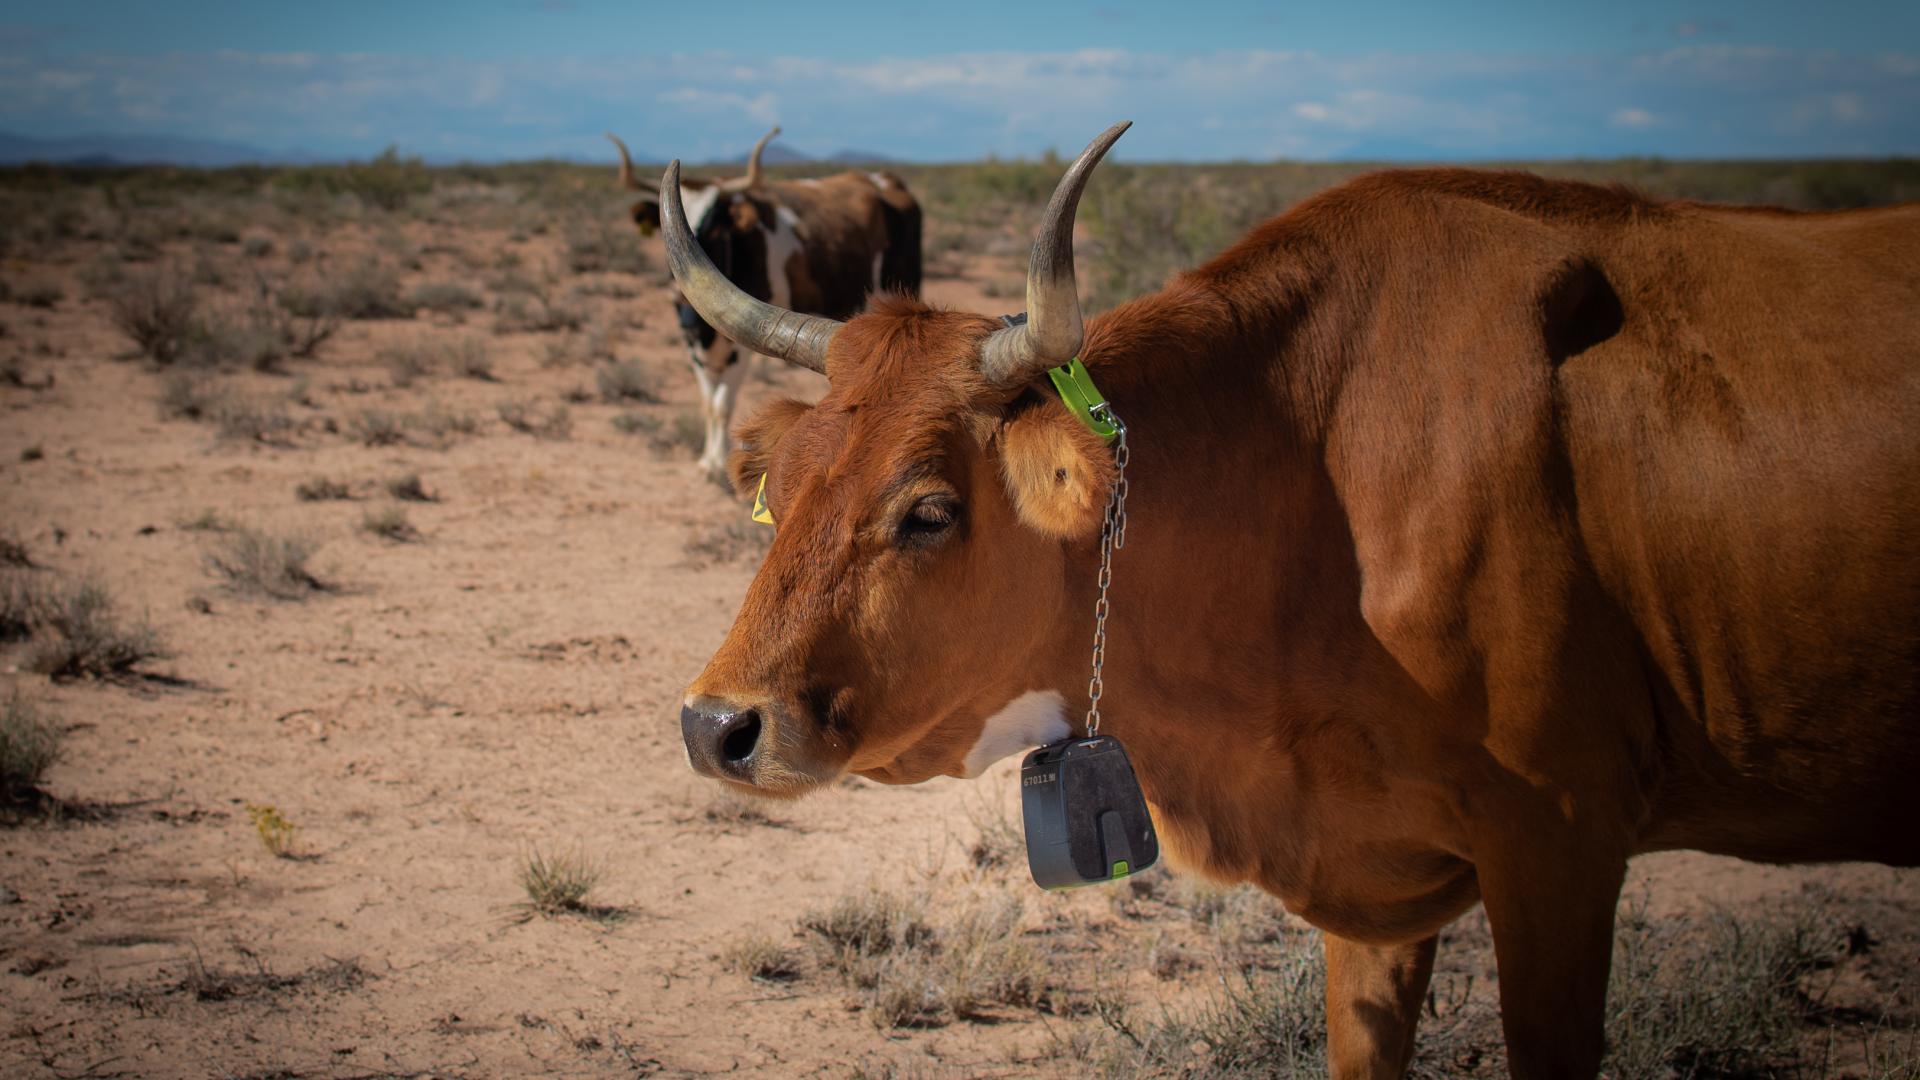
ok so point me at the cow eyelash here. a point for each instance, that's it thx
(929, 516)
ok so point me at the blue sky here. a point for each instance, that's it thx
(955, 81)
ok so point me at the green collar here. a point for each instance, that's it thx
(1077, 393)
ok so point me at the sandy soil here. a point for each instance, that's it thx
(506, 682)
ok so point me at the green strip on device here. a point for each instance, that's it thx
(1081, 397)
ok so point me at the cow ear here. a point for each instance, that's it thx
(1057, 472)
(757, 438)
(646, 216)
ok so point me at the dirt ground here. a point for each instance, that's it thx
(504, 679)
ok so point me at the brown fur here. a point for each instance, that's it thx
(1485, 532)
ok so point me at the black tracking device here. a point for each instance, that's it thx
(1085, 817)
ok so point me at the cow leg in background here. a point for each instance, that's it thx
(1550, 903)
(719, 372)
(1373, 1005)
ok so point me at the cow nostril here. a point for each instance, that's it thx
(745, 735)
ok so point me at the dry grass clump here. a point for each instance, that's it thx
(275, 831)
(73, 631)
(441, 425)
(468, 357)
(444, 297)
(1727, 1002)
(526, 416)
(321, 489)
(260, 564)
(636, 423)
(529, 305)
(558, 882)
(406, 363)
(29, 746)
(912, 973)
(761, 959)
(625, 381)
(1261, 1023)
(408, 488)
(42, 293)
(378, 427)
(13, 551)
(389, 523)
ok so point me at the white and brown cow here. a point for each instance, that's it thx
(818, 246)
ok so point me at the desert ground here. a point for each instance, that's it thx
(344, 642)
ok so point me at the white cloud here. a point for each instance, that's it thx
(1632, 117)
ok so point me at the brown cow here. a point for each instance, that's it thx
(1485, 531)
(819, 246)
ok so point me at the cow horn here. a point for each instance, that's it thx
(1016, 355)
(627, 179)
(756, 324)
(755, 174)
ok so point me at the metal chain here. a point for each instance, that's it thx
(1113, 535)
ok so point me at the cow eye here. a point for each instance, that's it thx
(929, 517)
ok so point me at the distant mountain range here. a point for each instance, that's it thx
(109, 150)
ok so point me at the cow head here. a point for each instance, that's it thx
(911, 616)
(726, 217)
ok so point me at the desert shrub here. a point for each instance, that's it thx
(558, 882)
(80, 635)
(469, 357)
(369, 289)
(441, 424)
(158, 310)
(257, 247)
(389, 523)
(13, 550)
(260, 564)
(407, 362)
(387, 181)
(408, 488)
(625, 381)
(526, 416)
(636, 423)
(573, 348)
(378, 427)
(29, 746)
(187, 396)
(865, 924)
(321, 489)
(598, 242)
(42, 293)
(443, 296)
(242, 339)
(252, 421)
(24, 602)
(529, 305)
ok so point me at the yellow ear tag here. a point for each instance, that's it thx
(760, 512)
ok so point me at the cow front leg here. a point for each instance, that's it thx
(1551, 908)
(722, 394)
(1373, 1005)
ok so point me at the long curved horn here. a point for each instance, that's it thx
(627, 179)
(1015, 356)
(755, 174)
(789, 335)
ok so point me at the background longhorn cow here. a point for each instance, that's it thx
(819, 246)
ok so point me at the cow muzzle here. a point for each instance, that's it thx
(723, 738)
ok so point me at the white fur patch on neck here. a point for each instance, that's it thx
(1034, 718)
